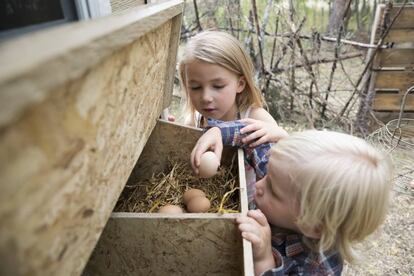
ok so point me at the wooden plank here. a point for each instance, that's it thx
(392, 102)
(247, 246)
(119, 6)
(172, 57)
(180, 244)
(396, 57)
(401, 80)
(208, 244)
(163, 142)
(386, 116)
(68, 52)
(405, 19)
(74, 119)
(400, 35)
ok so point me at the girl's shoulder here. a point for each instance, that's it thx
(259, 113)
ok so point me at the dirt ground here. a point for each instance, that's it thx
(390, 251)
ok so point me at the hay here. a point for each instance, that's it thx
(168, 188)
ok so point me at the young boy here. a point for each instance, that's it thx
(322, 192)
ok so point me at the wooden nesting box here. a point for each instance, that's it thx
(181, 244)
(78, 103)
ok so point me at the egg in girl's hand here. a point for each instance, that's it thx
(190, 193)
(170, 209)
(198, 204)
(209, 164)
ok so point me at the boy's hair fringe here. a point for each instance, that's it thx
(222, 49)
(343, 186)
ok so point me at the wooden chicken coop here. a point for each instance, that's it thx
(393, 67)
(79, 113)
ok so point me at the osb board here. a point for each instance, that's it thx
(74, 118)
(169, 140)
(123, 5)
(207, 244)
(69, 51)
(156, 246)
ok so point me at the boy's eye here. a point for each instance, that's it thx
(195, 87)
(269, 186)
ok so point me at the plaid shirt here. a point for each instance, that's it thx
(291, 255)
(230, 132)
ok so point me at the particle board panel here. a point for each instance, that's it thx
(119, 6)
(182, 244)
(77, 105)
(160, 244)
(171, 140)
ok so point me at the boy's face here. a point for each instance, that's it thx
(212, 90)
(276, 197)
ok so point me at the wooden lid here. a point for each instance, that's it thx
(77, 105)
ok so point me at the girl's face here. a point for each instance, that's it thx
(276, 197)
(212, 90)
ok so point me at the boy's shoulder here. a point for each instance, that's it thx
(295, 257)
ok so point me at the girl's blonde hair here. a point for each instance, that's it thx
(343, 186)
(224, 50)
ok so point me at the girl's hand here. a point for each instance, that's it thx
(211, 140)
(261, 132)
(256, 229)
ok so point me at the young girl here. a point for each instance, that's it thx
(217, 76)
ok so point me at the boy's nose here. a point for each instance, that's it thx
(259, 191)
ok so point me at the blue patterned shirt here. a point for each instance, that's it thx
(292, 256)
(231, 136)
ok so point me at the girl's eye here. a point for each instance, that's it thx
(218, 86)
(195, 88)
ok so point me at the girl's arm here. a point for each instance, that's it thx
(262, 127)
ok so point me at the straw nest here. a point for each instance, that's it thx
(149, 195)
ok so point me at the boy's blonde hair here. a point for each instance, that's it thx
(224, 50)
(343, 186)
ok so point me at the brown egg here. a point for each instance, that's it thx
(209, 164)
(198, 204)
(190, 193)
(171, 209)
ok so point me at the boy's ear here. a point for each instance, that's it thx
(241, 84)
